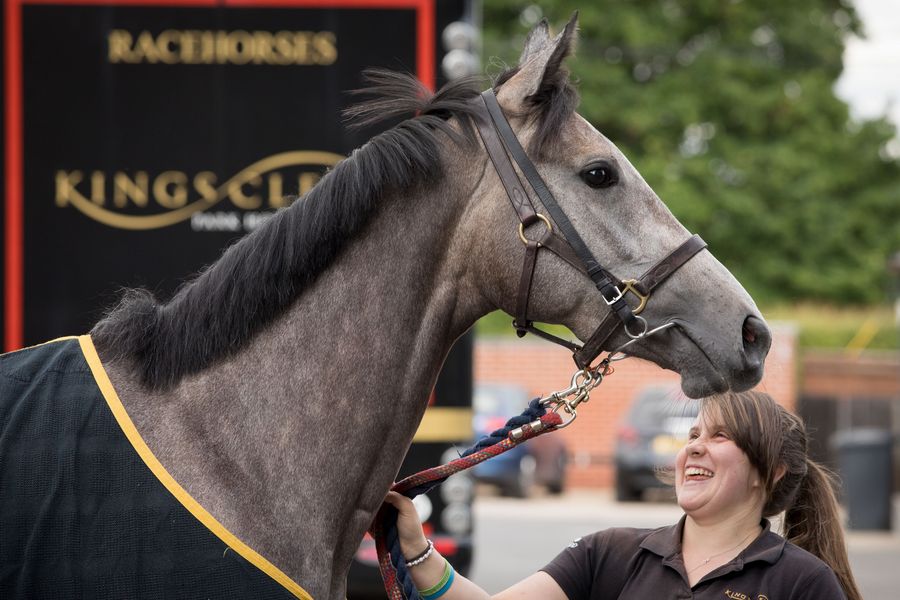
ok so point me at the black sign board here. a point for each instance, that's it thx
(142, 137)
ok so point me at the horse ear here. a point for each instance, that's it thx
(537, 39)
(540, 66)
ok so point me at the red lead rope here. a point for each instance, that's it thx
(394, 572)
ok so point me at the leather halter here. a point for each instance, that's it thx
(499, 139)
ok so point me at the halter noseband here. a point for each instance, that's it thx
(499, 139)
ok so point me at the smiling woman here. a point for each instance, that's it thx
(760, 449)
(745, 460)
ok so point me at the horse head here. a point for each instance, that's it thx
(718, 340)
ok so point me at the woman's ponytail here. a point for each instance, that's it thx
(813, 523)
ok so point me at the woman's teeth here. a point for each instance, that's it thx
(697, 471)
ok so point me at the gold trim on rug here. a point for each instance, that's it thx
(131, 432)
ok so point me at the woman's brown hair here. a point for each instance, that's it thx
(775, 442)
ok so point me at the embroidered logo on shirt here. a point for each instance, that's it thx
(574, 544)
(742, 596)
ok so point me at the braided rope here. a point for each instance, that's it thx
(397, 579)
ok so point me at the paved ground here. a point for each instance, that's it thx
(514, 538)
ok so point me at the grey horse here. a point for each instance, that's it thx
(282, 386)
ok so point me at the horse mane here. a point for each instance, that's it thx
(255, 280)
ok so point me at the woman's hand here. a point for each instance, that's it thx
(539, 586)
(409, 527)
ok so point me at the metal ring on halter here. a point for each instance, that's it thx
(641, 334)
(614, 355)
(522, 227)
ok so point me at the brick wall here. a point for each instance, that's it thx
(839, 374)
(542, 367)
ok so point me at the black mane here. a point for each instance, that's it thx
(256, 279)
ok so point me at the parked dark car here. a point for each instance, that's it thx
(539, 461)
(654, 429)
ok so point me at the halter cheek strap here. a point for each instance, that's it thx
(501, 142)
(611, 294)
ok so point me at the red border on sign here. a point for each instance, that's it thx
(14, 288)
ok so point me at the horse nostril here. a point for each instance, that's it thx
(749, 336)
(757, 337)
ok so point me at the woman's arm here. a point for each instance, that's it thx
(539, 586)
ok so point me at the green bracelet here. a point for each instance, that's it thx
(441, 587)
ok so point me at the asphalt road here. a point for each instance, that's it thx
(515, 538)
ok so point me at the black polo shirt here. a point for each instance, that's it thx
(646, 563)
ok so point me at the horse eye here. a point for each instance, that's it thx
(600, 176)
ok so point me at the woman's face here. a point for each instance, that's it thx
(713, 477)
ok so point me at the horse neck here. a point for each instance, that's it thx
(292, 441)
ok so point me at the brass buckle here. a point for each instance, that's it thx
(628, 286)
(522, 228)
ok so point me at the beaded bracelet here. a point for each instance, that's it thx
(422, 557)
(442, 586)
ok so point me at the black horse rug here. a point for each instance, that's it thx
(87, 511)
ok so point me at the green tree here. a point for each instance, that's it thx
(727, 109)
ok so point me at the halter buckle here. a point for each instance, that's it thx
(629, 286)
(619, 294)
